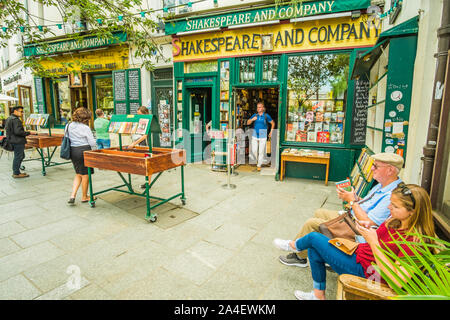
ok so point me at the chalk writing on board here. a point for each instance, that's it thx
(133, 84)
(359, 119)
(121, 108)
(120, 91)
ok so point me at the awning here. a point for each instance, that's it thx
(408, 27)
(367, 59)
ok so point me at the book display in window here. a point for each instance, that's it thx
(316, 98)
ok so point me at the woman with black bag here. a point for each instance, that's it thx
(81, 139)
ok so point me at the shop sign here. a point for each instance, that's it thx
(298, 10)
(12, 79)
(338, 33)
(103, 60)
(73, 45)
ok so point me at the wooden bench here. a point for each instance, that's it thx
(310, 156)
(351, 287)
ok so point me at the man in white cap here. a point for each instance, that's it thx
(373, 207)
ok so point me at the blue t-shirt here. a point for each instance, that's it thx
(260, 128)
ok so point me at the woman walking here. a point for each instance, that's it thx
(81, 139)
(410, 213)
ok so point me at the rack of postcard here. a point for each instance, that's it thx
(361, 177)
(138, 160)
(42, 141)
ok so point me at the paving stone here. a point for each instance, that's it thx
(18, 288)
(10, 228)
(7, 247)
(91, 292)
(240, 235)
(22, 260)
(47, 232)
(65, 290)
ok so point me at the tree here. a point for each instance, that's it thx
(79, 18)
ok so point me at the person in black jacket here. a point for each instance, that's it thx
(16, 135)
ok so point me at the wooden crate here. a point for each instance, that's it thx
(43, 140)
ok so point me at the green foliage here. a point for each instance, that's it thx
(429, 269)
(104, 17)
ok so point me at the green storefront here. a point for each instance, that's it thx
(298, 60)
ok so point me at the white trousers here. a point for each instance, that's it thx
(258, 150)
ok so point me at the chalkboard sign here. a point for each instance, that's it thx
(134, 106)
(359, 118)
(127, 91)
(121, 108)
(120, 86)
(134, 85)
(40, 96)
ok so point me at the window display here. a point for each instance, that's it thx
(317, 96)
(63, 110)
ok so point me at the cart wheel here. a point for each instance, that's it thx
(44, 173)
(183, 201)
(22, 168)
(92, 204)
(153, 219)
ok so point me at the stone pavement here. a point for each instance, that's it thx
(49, 250)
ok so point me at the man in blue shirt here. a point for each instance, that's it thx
(259, 136)
(372, 208)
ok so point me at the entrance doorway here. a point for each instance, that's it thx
(199, 116)
(246, 100)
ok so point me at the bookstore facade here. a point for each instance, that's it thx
(298, 65)
(84, 76)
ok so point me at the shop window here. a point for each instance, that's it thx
(317, 97)
(270, 68)
(177, 6)
(104, 95)
(247, 70)
(201, 66)
(62, 109)
(25, 100)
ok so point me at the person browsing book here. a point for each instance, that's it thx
(139, 139)
(261, 122)
(410, 218)
(101, 125)
(373, 208)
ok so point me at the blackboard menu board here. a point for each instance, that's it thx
(120, 86)
(359, 118)
(40, 98)
(134, 106)
(134, 85)
(127, 91)
(121, 108)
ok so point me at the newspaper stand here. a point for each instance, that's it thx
(145, 161)
(43, 140)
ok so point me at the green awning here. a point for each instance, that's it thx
(365, 60)
(408, 27)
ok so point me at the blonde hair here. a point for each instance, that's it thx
(421, 220)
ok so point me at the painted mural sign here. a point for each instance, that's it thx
(282, 12)
(307, 36)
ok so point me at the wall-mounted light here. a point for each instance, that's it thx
(197, 31)
(236, 26)
(322, 16)
(216, 3)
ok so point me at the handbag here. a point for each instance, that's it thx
(65, 145)
(340, 227)
(5, 144)
(345, 245)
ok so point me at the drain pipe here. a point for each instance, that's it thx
(429, 150)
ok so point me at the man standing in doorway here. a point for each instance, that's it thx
(259, 136)
(16, 135)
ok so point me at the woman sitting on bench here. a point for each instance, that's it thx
(410, 210)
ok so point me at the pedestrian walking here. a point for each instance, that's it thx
(16, 135)
(81, 139)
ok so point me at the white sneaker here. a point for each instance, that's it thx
(300, 295)
(283, 245)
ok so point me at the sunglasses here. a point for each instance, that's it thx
(407, 192)
(376, 166)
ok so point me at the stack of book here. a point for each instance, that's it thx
(362, 175)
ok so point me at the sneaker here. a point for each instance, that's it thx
(71, 201)
(283, 245)
(300, 295)
(293, 260)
